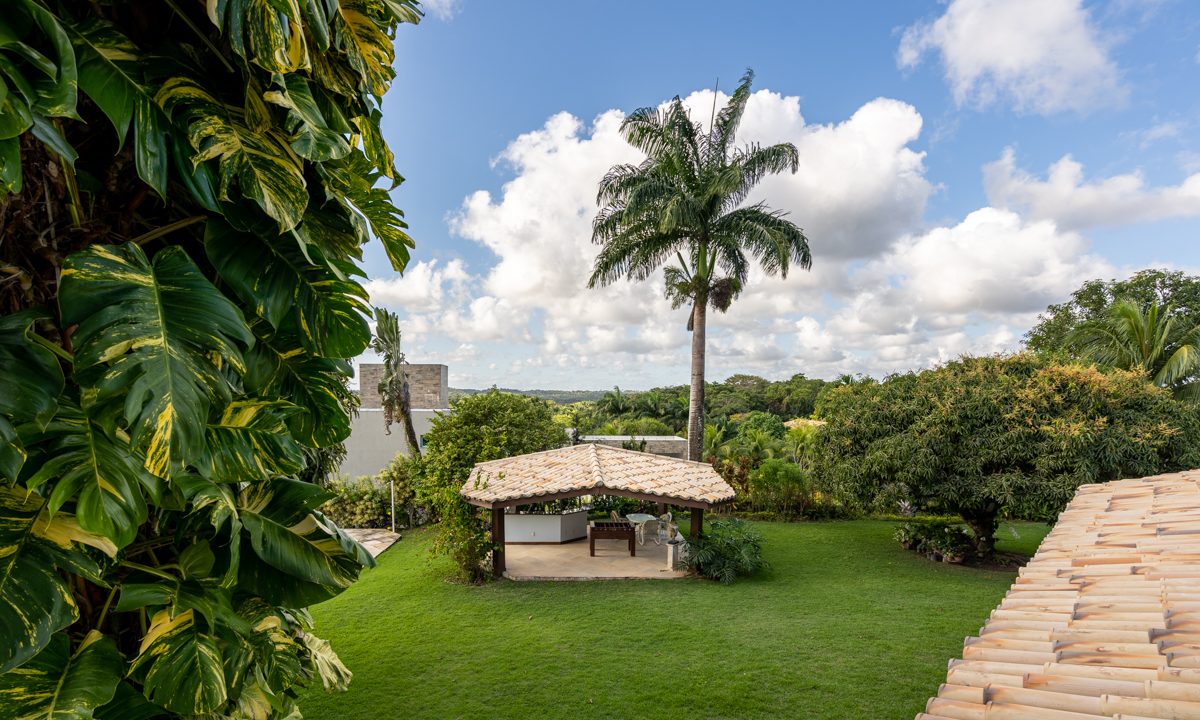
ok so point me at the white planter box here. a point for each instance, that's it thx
(545, 528)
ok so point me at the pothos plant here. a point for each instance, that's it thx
(185, 191)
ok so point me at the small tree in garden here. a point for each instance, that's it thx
(983, 436)
(483, 427)
(393, 387)
(185, 191)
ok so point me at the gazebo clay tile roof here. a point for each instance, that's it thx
(594, 469)
(1104, 622)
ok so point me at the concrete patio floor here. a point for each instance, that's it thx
(571, 561)
(373, 539)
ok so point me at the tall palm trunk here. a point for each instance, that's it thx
(696, 401)
(410, 432)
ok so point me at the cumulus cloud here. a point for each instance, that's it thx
(1075, 202)
(885, 292)
(441, 9)
(1043, 56)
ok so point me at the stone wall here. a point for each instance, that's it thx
(428, 385)
(667, 445)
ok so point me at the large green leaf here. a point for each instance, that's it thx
(29, 386)
(265, 32)
(273, 276)
(97, 471)
(261, 164)
(251, 442)
(58, 685)
(152, 338)
(313, 138)
(355, 179)
(53, 91)
(182, 665)
(368, 48)
(35, 601)
(300, 555)
(110, 73)
(129, 704)
(278, 367)
(334, 675)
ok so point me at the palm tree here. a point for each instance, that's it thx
(682, 208)
(393, 387)
(615, 403)
(1148, 340)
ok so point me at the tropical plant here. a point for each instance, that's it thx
(1093, 300)
(615, 403)
(1149, 340)
(685, 203)
(781, 487)
(756, 445)
(185, 189)
(727, 550)
(394, 393)
(983, 436)
(483, 427)
(364, 502)
(717, 441)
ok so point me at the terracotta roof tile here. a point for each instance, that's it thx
(1104, 621)
(597, 468)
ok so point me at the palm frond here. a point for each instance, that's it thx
(730, 118)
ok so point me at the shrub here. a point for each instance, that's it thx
(938, 538)
(487, 426)
(727, 550)
(363, 502)
(635, 426)
(781, 487)
(764, 421)
(605, 504)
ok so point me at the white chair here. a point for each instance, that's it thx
(664, 528)
(649, 526)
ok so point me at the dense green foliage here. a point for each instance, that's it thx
(483, 427)
(983, 436)
(1150, 339)
(758, 421)
(1092, 301)
(363, 502)
(683, 210)
(186, 189)
(727, 550)
(767, 647)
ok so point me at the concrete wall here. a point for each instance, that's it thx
(545, 528)
(667, 445)
(428, 385)
(369, 449)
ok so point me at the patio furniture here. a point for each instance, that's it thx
(608, 530)
(614, 516)
(642, 523)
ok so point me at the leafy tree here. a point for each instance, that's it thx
(634, 426)
(185, 191)
(394, 391)
(685, 203)
(1091, 302)
(615, 403)
(763, 422)
(780, 486)
(984, 436)
(1150, 341)
(483, 427)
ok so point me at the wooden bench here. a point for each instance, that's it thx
(610, 530)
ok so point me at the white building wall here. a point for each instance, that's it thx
(369, 449)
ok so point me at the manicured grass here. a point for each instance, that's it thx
(845, 625)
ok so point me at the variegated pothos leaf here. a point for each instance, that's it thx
(151, 340)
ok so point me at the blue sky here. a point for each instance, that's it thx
(963, 164)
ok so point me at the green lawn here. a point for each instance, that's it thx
(845, 625)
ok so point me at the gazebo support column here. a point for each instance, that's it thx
(498, 541)
(697, 522)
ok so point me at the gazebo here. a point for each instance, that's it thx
(592, 470)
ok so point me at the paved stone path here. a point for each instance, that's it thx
(373, 539)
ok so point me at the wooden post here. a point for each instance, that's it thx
(697, 522)
(498, 541)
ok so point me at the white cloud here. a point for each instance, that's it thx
(441, 9)
(1042, 56)
(1074, 202)
(885, 292)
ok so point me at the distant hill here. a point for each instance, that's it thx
(562, 397)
